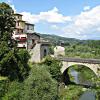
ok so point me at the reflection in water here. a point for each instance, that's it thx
(74, 73)
(88, 95)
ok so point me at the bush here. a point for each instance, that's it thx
(14, 91)
(4, 83)
(39, 85)
(71, 93)
(53, 66)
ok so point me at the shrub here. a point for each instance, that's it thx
(53, 66)
(13, 92)
(4, 83)
(39, 85)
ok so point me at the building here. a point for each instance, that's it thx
(59, 51)
(19, 33)
(26, 38)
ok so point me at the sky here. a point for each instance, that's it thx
(68, 18)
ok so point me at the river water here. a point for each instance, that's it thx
(87, 95)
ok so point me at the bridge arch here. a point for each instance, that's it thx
(93, 67)
(66, 65)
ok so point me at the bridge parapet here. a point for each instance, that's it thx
(80, 60)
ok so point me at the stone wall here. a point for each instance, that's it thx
(39, 52)
(93, 67)
(35, 54)
(31, 37)
(44, 50)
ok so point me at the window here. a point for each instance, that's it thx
(22, 31)
(27, 27)
(18, 23)
(18, 17)
(33, 41)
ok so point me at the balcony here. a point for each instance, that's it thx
(20, 37)
(23, 39)
(22, 45)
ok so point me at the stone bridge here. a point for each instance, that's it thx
(93, 64)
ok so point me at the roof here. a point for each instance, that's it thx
(18, 14)
(35, 34)
(43, 42)
(21, 20)
(29, 23)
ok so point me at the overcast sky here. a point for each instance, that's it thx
(68, 18)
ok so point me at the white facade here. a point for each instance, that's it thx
(24, 44)
(59, 51)
(19, 36)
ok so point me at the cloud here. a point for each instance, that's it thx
(86, 8)
(51, 16)
(54, 27)
(9, 1)
(86, 25)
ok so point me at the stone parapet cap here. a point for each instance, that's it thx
(81, 60)
(44, 42)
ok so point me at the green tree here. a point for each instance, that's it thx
(12, 64)
(51, 49)
(4, 83)
(54, 67)
(14, 91)
(7, 23)
(39, 85)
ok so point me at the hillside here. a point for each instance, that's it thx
(56, 39)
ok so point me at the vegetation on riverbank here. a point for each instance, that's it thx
(22, 80)
(71, 92)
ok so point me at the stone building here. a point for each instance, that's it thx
(26, 37)
(39, 51)
(19, 33)
(59, 51)
(33, 39)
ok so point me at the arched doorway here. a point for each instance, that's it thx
(45, 52)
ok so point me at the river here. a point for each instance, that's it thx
(87, 95)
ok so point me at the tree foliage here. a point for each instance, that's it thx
(54, 67)
(13, 91)
(90, 49)
(4, 83)
(12, 63)
(71, 93)
(39, 85)
(7, 22)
